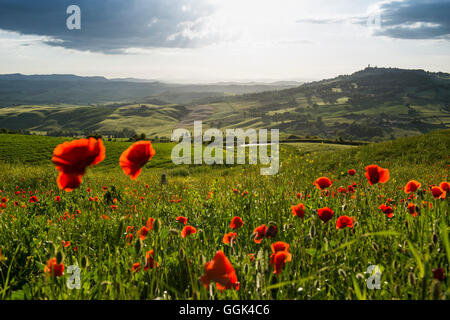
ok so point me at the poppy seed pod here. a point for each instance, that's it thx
(436, 290)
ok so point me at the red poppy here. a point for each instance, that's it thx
(277, 247)
(135, 157)
(187, 230)
(325, 214)
(230, 236)
(4, 200)
(412, 208)
(143, 232)
(259, 233)
(445, 186)
(149, 260)
(65, 243)
(236, 223)
(251, 256)
(350, 189)
(33, 199)
(182, 220)
(72, 158)
(376, 174)
(136, 267)
(298, 210)
(221, 271)
(412, 186)
(53, 268)
(280, 260)
(57, 199)
(351, 172)
(344, 221)
(299, 195)
(387, 210)
(150, 223)
(322, 183)
(438, 192)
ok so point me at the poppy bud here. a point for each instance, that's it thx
(84, 262)
(173, 232)
(436, 290)
(138, 246)
(59, 257)
(271, 231)
(412, 279)
(342, 273)
(312, 231)
(156, 225)
(374, 246)
(163, 179)
(434, 238)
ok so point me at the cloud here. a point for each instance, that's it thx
(407, 19)
(110, 26)
(415, 19)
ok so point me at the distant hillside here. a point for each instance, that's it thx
(373, 104)
(16, 89)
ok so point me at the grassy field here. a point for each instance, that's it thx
(326, 263)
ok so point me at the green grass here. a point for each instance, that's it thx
(326, 263)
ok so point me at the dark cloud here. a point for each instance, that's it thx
(408, 19)
(415, 19)
(109, 26)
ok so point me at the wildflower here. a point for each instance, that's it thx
(149, 260)
(187, 230)
(445, 186)
(57, 199)
(351, 172)
(298, 210)
(412, 186)
(387, 210)
(325, 214)
(136, 267)
(322, 183)
(33, 199)
(344, 221)
(53, 268)
(438, 274)
(277, 247)
(143, 232)
(221, 271)
(412, 208)
(229, 237)
(259, 233)
(72, 158)
(236, 223)
(135, 157)
(280, 260)
(182, 220)
(376, 174)
(438, 192)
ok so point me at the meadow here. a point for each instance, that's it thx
(91, 226)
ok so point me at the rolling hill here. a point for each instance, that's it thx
(373, 104)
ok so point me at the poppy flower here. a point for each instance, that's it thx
(277, 247)
(445, 186)
(236, 223)
(350, 189)
(438, 274)
(280, 260)
(344, 221)
(72, 158)
(325, 214)
(149, 260)
(322, 183)
(259, 233)
(57, 199)
(135, 157)
(221, 271)
(65, 243)
(299, 195)
(230, 236)
(182, 220)
(251, 256)
(387, 210)
(143, 232)
(376, 174)
(187, 230)
(33, 199)
(438, 192)
(4, 200)
(351, 172)
(298, 210)
(53, 268)
(412, 186)
(136, 267)
(412, 208)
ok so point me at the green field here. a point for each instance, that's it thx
(326, 263)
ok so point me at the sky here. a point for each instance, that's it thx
(223, 40)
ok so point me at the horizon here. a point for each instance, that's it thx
(207, 41)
